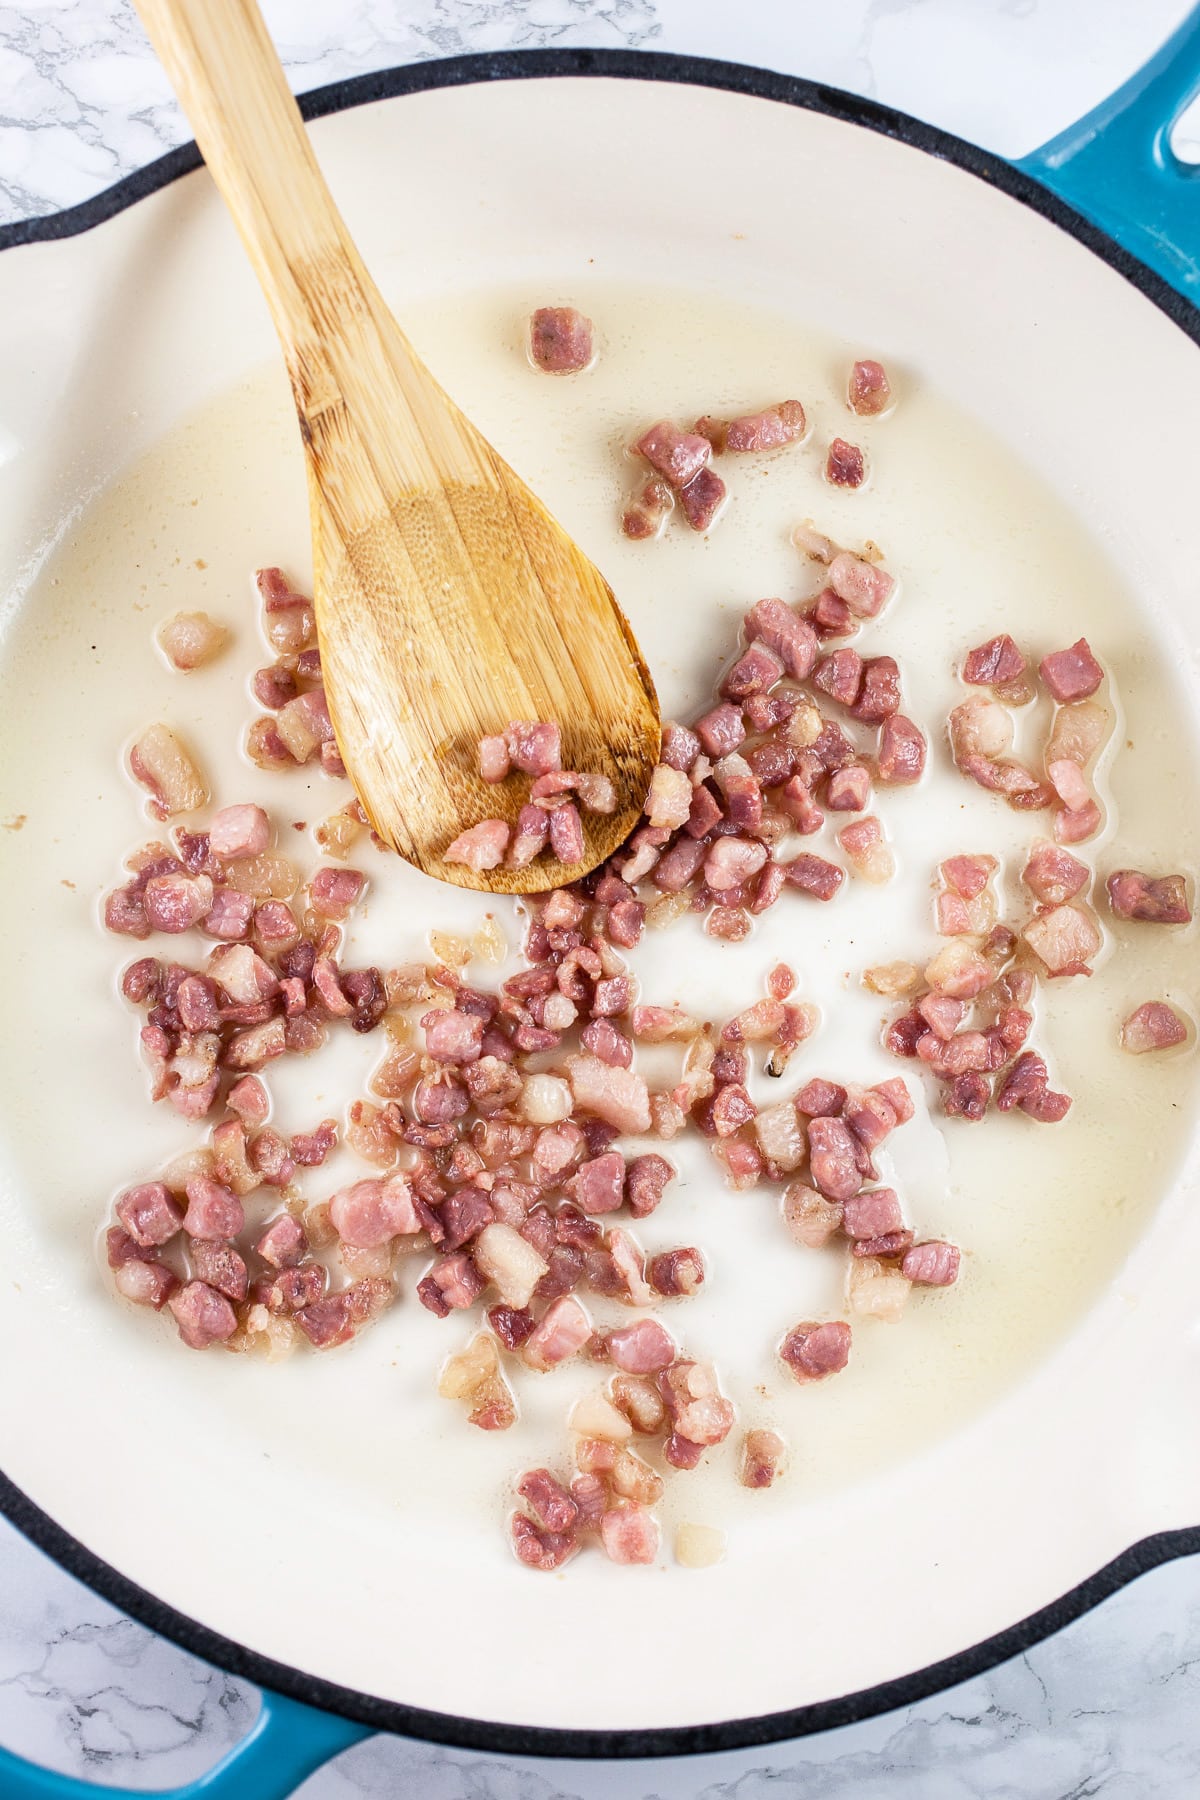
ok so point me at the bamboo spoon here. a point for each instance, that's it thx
(447, 599)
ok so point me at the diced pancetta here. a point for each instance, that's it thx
(791, 637)
(642, 1348)
(902, 750)
(1053, 875)
(534, 745)
(1152, 1026)
(481, 846)
(833, 1156)
(994, 663)
(864, 586)
(845, 464)
(814, 1350)
(629, 1534)
(931, 1264)
(561, 340)
(188, 640)
(701, 499)
(203, 1315)
(869, 391)
(647, 510)
(762, 1458)
(1065, 937)
(1072, 674)
(771, 429)
(677, 455)
(1152, 899)
(619, 1096)
(374, 1211)
(562, 1332)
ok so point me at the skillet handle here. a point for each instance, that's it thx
(1116, 165)
(286, 1743)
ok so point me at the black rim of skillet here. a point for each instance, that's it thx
(732, 1734)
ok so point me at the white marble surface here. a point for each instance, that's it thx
(1108, 1710)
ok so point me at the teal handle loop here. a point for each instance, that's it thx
(285, 1744)
(1116, 165)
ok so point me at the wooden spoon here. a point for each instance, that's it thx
(448, 601)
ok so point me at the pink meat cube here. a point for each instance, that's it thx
(993, 663)
(228, 918)
(771, 429)
(647, 510)
(220, 1266)
(845, 465)
(149, 1214)
(862, 585)
(480, 847)
(145, 1283)
(756, 671)
(1152, 1026)
(813, 875)
(834, 1156)
(452, 1284)
(249, 1099)
(212, 1211)
(968, 875)
(840, 676)
(629, 1534)
(1053, 875)
(203, 1315)
(642, 1348)
(283, 1244)
(678, 455)
(879, 697)
(873, 1214)
(1072, 674)
(175, 903)
(335, 891)
(531, 836)
(814, 1350)
(870, 391)
(932, 1264)
(494, 763)
(849, 790)
(721, 730)
(566, 834)
(561, 340)
(701, 499)
(373, 1211)
(792, 638)
(452, 1036)
(534, 745)
(680, 747)
(564, 1330)
(552, 1507)
(239, 831)
(1153, 899)
(646, 1180)
(599, 1184)
(902, 750)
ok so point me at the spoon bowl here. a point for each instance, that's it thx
(448, 601)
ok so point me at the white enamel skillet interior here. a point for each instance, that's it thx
(112, 336)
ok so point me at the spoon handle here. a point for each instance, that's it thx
(372, 417)
(231, 84)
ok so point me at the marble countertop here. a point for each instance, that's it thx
(1108, 1709)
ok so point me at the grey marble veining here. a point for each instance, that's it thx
(83, 102)
(1108, 1710)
